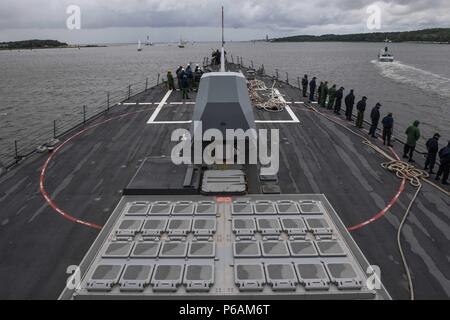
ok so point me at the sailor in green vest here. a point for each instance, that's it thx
(412, 136)
(170, 80)
(323, 94)
(332, 97)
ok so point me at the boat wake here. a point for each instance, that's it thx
(413, 76)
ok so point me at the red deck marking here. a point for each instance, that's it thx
(389, 206)
(224, 199)
(42, 189)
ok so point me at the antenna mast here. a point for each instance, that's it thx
(222, 58)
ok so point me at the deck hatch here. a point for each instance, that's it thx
(249, 277)
(287, 207)
(311, 207)
(275, 249)
(330, 248)
(206, 208)
(204, 226)
(246, 249)
(185, 208)
(135, 278)
(318, 226)
(118, 249)
(161, 208)
(264, 207)
(293, 226)
(179, 226)
(313, 276)
(302, 248)
(146, 250)
(199, 278)
(268, 226)
(202, 250)
(154, 227)
(104, 277)
(244, 226)
(173, 249)
(167, 278)
(281, 277)
(129, 228)
(138, 208)
(344, 276)
(242, 208)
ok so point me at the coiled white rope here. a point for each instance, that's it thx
(270, 101)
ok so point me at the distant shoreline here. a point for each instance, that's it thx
(428, 36)
(42, 44)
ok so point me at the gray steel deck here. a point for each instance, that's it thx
(86, 177)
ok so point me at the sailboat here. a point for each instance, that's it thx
(139, 46)
(148, 43)
(182, 43)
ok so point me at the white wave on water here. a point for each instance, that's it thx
(413, 76)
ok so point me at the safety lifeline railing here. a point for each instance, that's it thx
(276, 73)
(21, 148)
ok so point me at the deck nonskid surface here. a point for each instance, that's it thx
(87, 175)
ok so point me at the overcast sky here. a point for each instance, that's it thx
(111, 21)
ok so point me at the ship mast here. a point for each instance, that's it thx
(222, 58)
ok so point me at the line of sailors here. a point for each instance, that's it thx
(331, 98)
(187, 79)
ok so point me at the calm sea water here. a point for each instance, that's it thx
(40, 86)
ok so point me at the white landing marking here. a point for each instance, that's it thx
(299, 102)
(292, 114)
(130, 103)
(160, 105)
(145, 103)
(177, 103)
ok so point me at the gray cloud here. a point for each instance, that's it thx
(279, 16)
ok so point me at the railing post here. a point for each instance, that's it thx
(129, 91)
(232, 60)
(287, 78)
(84, 114)
(242, 62)
(107, 100)
(54, 129)
(157, 81)
(251, 61)
(298, 82)
(146, 84)
(263, 70)
(276, 73)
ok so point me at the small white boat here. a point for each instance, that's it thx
(384, 55)
(139, 46)
(182, 43)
